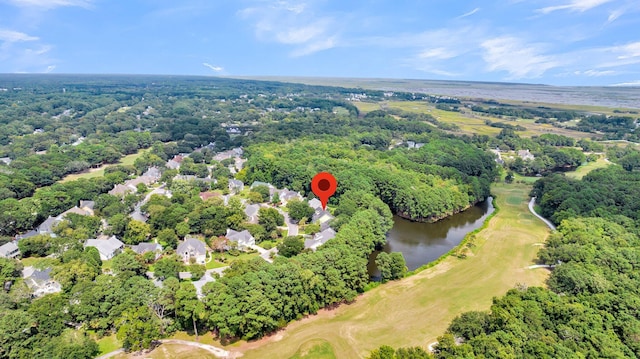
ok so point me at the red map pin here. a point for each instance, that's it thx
(324, 186)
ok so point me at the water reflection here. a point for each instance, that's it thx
(421, 243)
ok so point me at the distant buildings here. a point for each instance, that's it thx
(526, 155)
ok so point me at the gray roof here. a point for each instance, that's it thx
(153, 172)
(138, 216)
(87, 204)
(315, 203)
(258, 183)
(252, 210)
(192, 244)
(31, 233)
(236, 236)
(8, 249)
(105, 246)
(287, 195)
(39, 276)
(320, 238)
(235, 183)
(142, 248)
(47, 225)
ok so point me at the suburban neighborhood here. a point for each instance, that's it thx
(192, 250)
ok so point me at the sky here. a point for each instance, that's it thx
(556, 42)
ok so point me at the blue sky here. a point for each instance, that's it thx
(561, 42)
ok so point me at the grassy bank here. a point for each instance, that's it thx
(99, 172)
(417, 309)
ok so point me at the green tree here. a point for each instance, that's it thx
(291, 246)
(392, 266)
(270, 218)
(168, 266)
(188, 307)
(136, 232)
(127, 264)
(168, 238)
(299, 210)
(137, 329)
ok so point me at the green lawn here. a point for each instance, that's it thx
(315, 349)
(588, 167)
(215, 264)
(99, 172)
(417, 309)
(39, 263)
(108, 344)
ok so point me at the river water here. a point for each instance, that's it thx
(421, 243)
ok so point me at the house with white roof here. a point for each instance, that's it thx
(244, 239)
(320, 238)
(9, 250)
(108, 248)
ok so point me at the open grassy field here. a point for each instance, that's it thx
(416, 310)
(588, 167)
(470, 123)
(99, 172)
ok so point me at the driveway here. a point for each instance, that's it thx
(206, 278)
(292, 228)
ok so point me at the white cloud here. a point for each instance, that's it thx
(50, 68)
(15, 36)
(292, 23)
(613, 15)
(469, 13)
(442, 53)
(50, 4)
(575, 5)
(631, 83)
(212, 67)
(595, 73)
(519, 59)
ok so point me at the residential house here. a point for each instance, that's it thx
(244, 239)
(320, 238)
(136, 215)
(258, 183)
(9, 250)
(526, 155)
(285, 196)
(31, 233)
(142, 248)
(192, 248)
(48, 225)
(323, 218)
(5, 160)
(87, 205)
(153, 172)
(108, 248)
(209, 194)
(315, 204)
(252, 213)
(40, 282)
(235, 186)
(121, 190)
(413, 144)
(76, 210)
